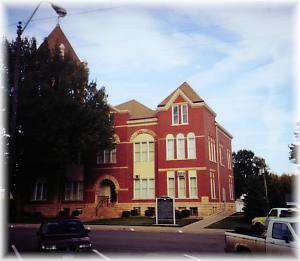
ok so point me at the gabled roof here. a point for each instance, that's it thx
(187, 90)
(136, 110)
(57, 37)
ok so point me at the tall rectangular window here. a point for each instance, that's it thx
(113, 156)
(184, 113)
(137, 152)
(107, 156)
(171, 184)
(181, 184)
(228, 159)
(137, 188)
(221, 154)
(144, 188)
(151, 151)
(175, 114)
(144, 151)
(151, 188)
(212, 185)
(193, 184)
(170, 147)
(39, 191)
(74, 190)
(180, 147)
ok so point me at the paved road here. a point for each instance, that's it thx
(110, 244)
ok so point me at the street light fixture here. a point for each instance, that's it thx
(61, 12)
(262, 172)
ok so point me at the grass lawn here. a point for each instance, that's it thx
(234, 221)
(136, 221)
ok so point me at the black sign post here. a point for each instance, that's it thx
(165, 210)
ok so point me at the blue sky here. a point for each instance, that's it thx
(239, 58)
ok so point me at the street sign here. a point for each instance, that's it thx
(165, 210)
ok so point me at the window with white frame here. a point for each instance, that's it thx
(171, 184)
(170, 147)
(221, 154)
(143, 151)
(175, 114)
(193, 191)
(144, 189)
(191, 145)
(181, 184)
(212, 149)
(230, 187)
(74, 190)
(212, 185)
(184, 113)
(39, 191)
(228, 159)
(180, 146)
(107, 156)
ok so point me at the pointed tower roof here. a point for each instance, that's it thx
(187, 90)
(57, 37)
(136, 110)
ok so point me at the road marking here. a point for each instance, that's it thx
(99, 254)
(131, 229)
(179, 231)
(16, 252)
(192, 257)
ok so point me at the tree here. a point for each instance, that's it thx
(245, 164)
(62, 117)
(255, 200)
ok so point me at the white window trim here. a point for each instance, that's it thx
(189, 136)
(170, 137)
(187, 113)
(193, 174)
(148, 191)
(173, 106)
(212, 185)
(171, 174)
(178, 185)
(72, 191)
(180, 135)
(140, 154)
(35, 196)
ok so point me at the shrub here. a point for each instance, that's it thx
(185, 213)
(126, 213)
(76, 213)
(134, 212)
(149, 212)
(178, 214)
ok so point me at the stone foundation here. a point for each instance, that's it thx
(89, 210)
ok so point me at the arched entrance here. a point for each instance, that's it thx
(107, 192)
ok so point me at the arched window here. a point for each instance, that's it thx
(170, 147)
(180, 146)
(191, 144)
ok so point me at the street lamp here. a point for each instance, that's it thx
(61, 12)
(262, 172)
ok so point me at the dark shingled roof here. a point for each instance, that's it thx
(136, 110)
(187, 90)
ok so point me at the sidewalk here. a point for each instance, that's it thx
(197, 227)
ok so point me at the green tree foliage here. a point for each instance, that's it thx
(250, 181)
(245, 164)
(255, 201)
(61, 115)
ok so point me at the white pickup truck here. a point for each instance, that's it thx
(280, 238)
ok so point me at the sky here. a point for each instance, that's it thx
(239, 58)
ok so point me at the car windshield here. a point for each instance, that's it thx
(64, 227)
(295, 227)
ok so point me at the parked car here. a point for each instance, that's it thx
(63, 234)
(260, 223)
(281, 237)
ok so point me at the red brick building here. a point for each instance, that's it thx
(176, 150)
